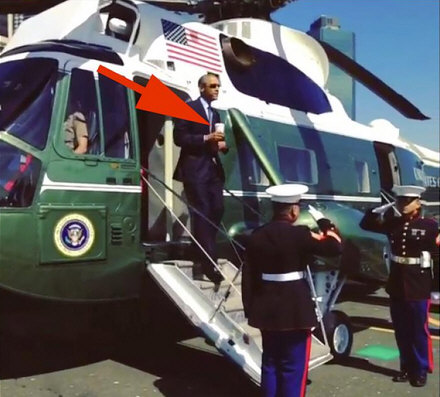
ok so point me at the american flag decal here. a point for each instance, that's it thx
(190, 46)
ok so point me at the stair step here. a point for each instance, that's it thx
(233, 303)
(237, 316)
(227, 268)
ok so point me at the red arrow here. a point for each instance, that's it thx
(156, 97)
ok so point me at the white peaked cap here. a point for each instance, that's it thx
(288, 193)
(408, 190)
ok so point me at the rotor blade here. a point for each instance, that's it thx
(372, 82)
(26, 6)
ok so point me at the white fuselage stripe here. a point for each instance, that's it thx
(241, 193)
(48, 184)
(429, 203)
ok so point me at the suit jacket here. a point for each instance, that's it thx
(407, 239)
(198, 161)
(279, 247)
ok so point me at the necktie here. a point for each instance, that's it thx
(210, 117)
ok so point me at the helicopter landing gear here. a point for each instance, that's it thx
(339, 334)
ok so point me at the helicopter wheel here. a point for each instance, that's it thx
(339, 334)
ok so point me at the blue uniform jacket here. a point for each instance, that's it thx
(198, 161)
(280, 247)
(407, 238)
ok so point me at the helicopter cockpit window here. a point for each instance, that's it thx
(27, 89)
(117, 132)
(298, 165)
(81, 127)
(19, 173)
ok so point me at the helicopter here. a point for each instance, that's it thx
(91, 221)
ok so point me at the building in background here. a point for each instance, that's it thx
(340, 83)
(9, 23)
(6, 29)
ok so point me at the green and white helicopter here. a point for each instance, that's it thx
(89, 227)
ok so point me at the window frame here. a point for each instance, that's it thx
(64, 151)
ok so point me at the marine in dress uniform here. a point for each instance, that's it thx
(412, 240)
(200, 170)
(276, 294)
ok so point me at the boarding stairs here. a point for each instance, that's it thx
(219, 314)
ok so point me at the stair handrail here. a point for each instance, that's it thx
(191, 207)
(189, 233)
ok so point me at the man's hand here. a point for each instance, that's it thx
(214, 137)
(223, 147)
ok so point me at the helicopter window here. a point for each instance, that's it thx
(117, 135)
(411, 168)
(246, 30)
(232, 28)
(298, 165)
(363, 177)
(81, 127)
(432, 184)
(257, 175)
(27, 89)
(19, 173)
(286, 86)
(4, 25)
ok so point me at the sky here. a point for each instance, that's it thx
(398, 41)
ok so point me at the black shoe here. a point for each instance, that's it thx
(418, 381)
(215, 276)
(199, 277)
(401, 377)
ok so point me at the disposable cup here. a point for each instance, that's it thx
(219, 127)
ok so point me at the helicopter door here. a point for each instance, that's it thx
(94, 170)
(388, 166)
(158, 157)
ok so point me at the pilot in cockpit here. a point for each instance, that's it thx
(75, 128)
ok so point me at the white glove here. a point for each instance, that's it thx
(383, 208)
(316, 215)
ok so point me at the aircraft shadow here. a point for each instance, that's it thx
(362, 322)
(182, 370)
(152, 346)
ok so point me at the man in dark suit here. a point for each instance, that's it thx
(276, 294)
(413, 243)
(200, 170)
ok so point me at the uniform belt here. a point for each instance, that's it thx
(291, 276)
(404, 260)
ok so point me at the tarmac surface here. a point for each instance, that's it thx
(167, 357)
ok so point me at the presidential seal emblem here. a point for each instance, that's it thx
(74, 235)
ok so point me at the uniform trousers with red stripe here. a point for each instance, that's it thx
(410, 321)
(285, 363)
